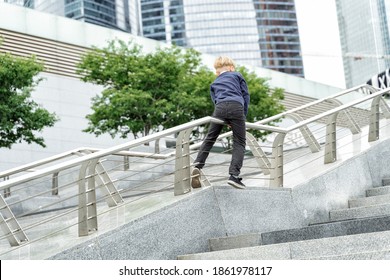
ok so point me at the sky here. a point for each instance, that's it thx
(320, 41)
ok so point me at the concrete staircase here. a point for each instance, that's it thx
(361, 231)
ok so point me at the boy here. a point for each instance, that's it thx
(229, 93)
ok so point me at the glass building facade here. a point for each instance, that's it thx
(25, 3)
(164, 21)
(364, 36)
(278, 36)
(100, 12)
(254, 32)
(109, 13)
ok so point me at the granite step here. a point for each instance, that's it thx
(368, 201)
(386, 182)
(375, 255)
(378, 191)
(360, 212)
(325, 230)
(324, 248)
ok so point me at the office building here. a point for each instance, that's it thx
(364, 37)
(109, 13)
(254, 32)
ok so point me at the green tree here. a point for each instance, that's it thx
(146, 92)
(143, 92)
(20, 116)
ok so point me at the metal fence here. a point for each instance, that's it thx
(73, 189)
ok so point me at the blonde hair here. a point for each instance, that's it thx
(223, 61)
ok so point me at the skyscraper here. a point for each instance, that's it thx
(164, 21)
(278, 36)
(364, 36)
(109, 13)
(255, 32)
(25, 3)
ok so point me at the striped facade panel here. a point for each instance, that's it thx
(58, 58)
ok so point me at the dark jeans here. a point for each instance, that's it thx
(232, 113)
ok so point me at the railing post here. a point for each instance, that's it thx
(277, 161)
(157, 146)
(385, 108)
(330, 144)
(54, 184)
(87, 198)
(7, 191)
(373, 128)
(101, 176)
(306, 133)
(353, 126)
(182, 182)
(10, 225)
(111, 193)
(258, 153)
(126, 163)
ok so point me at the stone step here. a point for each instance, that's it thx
(386, 182)
(359, 212)
(233, 242)
(375, 255)
(303, 250)
(368, 201)
(378, 191)
(317, 231)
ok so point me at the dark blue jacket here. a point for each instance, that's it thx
(230, 86)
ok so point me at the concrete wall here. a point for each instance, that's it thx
(186, 226)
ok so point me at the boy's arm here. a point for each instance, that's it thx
(212, 95)
(245, 95)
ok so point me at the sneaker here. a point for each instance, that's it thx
(195, 178)
(236, 182)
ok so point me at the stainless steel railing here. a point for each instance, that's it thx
(80, 184)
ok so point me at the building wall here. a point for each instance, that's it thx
(60, 41)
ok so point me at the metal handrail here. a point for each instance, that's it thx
(119, 149)
(259, 126)
(344, 92)
(98, 154)
(90, 167)
(90, 171)
(276, 168)
(30, 166)
(293, 110)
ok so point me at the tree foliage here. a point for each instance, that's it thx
(20, 116)
(146, 92)
(143, 92)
